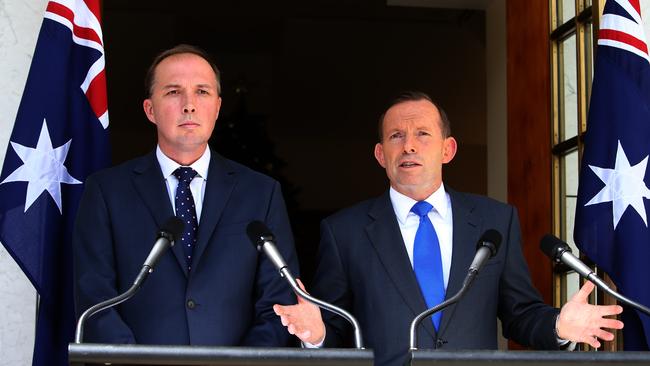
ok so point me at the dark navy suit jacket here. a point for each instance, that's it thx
(227, 297)
(364, 267)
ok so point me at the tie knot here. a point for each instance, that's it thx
(185, 174)
(421, 208)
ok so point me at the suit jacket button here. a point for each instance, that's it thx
(191, 304)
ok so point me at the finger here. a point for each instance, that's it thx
(584, 292)
(292, 329)
(278, 309)
(611, 324)
(610, 310)
(284, 320)
(283, 310)
(592, 341)
(604, 335)
(302, 285)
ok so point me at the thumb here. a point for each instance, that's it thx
(302, 287)
(584, 292)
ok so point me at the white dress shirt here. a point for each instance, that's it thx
(197, 186)
(440, 217)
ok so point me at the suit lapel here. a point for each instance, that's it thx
(150, 184)
(219, 186)
(466, 224)
(385, 236)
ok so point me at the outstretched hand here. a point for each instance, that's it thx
(302, 320)
(580, 321)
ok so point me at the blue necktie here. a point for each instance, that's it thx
(427, 262)
(186, 211)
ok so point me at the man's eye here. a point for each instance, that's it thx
(395, 136)
(202, 91)
(171, 92)
(423, 133)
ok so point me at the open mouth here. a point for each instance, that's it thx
(409, 164)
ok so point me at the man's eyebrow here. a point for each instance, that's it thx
(169, 86)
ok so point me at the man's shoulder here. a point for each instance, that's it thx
(361, 211)
(238, 169)
(123, 169)
(476, 200)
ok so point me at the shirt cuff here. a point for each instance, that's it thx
(564, 344)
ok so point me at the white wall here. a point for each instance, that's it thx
(20, 21)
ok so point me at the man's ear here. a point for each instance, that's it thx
(449, 149)
(147, 105)
(379, 154)
(218, 107)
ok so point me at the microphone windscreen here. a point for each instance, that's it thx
(491, 236)
(551, 246)
(256, 230)
(174, 227)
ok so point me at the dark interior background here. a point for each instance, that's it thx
(303, 86)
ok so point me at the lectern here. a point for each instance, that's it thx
(128, 354)
(527, 358)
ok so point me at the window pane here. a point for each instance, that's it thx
(569, 180)
(568, 103)
(572, 285)
(566, 9)
(589, 69)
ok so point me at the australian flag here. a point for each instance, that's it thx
(611, 225)
(59, 138)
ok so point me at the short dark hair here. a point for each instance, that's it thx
(181, 48)
(414, 96)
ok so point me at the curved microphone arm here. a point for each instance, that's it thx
(144, 273)
(358, 341)
(603, 286)
(413, 342)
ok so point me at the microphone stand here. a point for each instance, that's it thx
(358, 341)
(452, 300)
(166, 238)
(144, 273)
(603, 286)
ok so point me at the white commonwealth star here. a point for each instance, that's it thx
(624, 186)
(42, 168)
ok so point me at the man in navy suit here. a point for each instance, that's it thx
(212, 287)
(370, 259)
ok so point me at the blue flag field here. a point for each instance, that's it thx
(59, 137)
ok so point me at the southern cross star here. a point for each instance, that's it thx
(624, 186)
(42, 168)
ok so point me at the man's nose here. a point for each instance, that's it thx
(409, 145)
(189, 107)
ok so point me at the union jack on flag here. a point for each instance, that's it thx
(611, 225)
(59, 137)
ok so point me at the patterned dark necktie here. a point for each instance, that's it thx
(427, 262)
(186, 211)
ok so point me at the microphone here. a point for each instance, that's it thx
(559, 251)
(264, 241)
(168, 234)
(487, 247)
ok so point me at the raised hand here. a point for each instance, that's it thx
(580, 321)
(302, 320)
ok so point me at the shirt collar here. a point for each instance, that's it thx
(402, 204)
(167, 165)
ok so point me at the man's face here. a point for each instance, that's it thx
(413, 148)
(184, 104)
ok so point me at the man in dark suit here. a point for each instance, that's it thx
(212, 287)
(387, 259)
